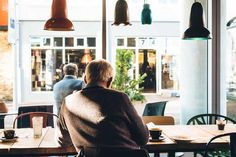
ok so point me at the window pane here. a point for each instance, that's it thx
(75, 56)
(169, 72)
(230, 58)
(69, 42)
(120, 42)
(91, 42)
(44, 64)
(147, 64)
(80, 42)
(35, 41)
(46, 41)
(57, 42)
(131, 42)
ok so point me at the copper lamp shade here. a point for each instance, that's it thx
(59, 20)
(86, 57)
(121, 13)
(196, 30)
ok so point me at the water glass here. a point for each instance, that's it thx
(37, 126)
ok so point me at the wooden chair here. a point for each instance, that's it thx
(155, 109)
(159, 120)
(162, 120)
(232, 146)
(204, 119)
(112, 152)
(28, 119)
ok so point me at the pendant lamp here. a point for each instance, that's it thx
(146, 14)
(121, 13)
(196, 30)
(86, 57)
(59, 20)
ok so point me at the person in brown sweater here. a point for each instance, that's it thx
(98, 116)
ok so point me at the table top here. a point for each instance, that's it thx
(45, 145)
(200, 134)
(26, 144)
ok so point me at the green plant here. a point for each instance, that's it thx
(122, 81)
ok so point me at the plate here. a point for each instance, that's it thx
(182, 139)
(161, 138)
(3, 139)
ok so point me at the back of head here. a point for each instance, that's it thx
(98, 71)
(70, 69)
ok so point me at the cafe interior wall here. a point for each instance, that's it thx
(29, 18)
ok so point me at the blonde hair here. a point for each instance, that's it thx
(99, 70)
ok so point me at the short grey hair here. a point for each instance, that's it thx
(70, 69)
(99, 70)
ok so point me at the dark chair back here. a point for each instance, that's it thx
(203, 119)
(232, 144)
(24, 121)
(2, 121)
(114, 152)
(155, 109)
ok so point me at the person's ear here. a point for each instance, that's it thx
(85, 79)
(109, 82)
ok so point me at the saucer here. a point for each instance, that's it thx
(161, 138)
(182, 139)
(3, 139)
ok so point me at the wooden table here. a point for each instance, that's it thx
(46, 145)
(26, 144)
(201, 133)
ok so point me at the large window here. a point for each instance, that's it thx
(49, 54)
(230, 59)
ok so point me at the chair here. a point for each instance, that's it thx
(26, 119)
(155, 109)
(2, 117)
(161, 120)
(232, 145)
(113, 152)
(24, 122)
(204, 119)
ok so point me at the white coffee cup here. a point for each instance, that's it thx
(37, 126)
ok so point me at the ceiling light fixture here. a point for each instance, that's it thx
(196, 30)
(86, 57)
(121, 13)
(59, 20)
(146, 17)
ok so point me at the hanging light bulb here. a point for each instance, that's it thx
(146, 14)
(59, 20)
(196, 30)
(121, 13)
(86, 57)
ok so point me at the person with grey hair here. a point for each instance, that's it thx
(99, 117)
(67, 85)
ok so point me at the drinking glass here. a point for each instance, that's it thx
(37, 126)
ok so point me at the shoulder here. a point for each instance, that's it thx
(118, 94)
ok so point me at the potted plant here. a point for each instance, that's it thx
(122, 81)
